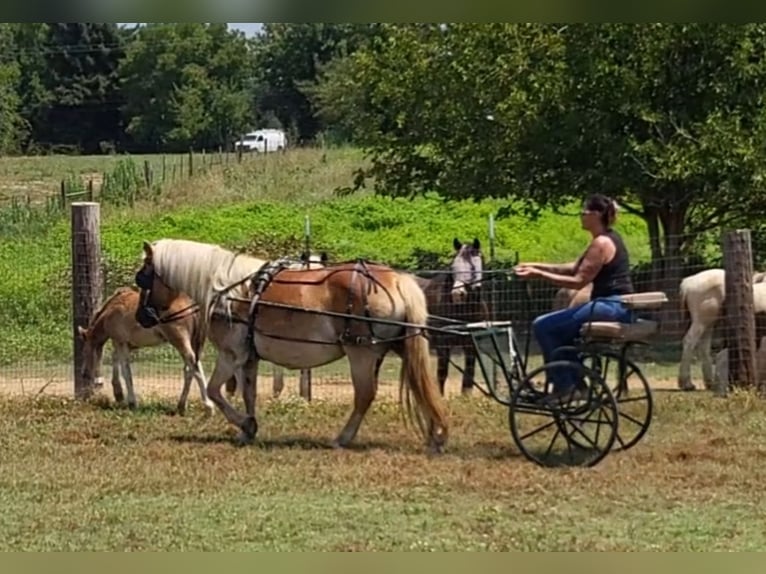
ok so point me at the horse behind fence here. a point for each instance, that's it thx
(456, 295)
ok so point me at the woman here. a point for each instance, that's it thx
(606, 264)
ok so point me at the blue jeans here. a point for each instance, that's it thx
(561, 328)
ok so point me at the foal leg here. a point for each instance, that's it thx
(199, 375)
(119, 396)
(365, 365)
(181, 407)
(193, 370)
(123, 354)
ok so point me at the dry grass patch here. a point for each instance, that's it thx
(92, 476)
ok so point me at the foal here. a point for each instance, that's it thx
(116, 320)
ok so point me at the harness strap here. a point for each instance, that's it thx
(360, 269)
(261, 280)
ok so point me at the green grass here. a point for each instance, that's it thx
(91, 477)
(258, 206)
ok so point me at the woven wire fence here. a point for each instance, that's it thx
(36, 355)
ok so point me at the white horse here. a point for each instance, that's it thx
(300, 319)
(702, 297)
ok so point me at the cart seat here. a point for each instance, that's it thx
(647, 300)
(638, 332)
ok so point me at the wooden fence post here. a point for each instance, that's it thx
(738, 308)
(87, 280)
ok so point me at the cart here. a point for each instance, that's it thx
(613, 407)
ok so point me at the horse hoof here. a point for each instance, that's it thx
(337, 444)
(209, 411)
(435, 449)
(244, 439)
(250, 427)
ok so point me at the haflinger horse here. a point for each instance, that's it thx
(117, 321)
(456, 294)
(255, 309)
(307, 261)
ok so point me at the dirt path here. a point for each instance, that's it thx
(169, 387)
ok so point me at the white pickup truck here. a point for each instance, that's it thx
(263, 141)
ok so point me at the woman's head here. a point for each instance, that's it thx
(599, 209)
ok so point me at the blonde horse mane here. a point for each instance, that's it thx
(202, 270)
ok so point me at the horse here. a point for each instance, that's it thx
(301, 318)
(702, 296)
(456, 294)
(116, 320)
(278, 384)
(278, 373)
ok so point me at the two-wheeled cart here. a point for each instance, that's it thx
(611, 408)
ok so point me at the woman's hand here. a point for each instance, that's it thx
(526, 271)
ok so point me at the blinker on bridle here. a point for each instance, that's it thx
(144, 279)
(146, 314)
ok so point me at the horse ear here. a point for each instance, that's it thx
(323, 257)
(148, 249)
(476, 243)
(456, 244)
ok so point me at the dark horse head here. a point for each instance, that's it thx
(467, 268)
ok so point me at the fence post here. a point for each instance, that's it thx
(87, 281)
(304, 386)
(738, 308)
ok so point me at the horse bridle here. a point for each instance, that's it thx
(147, 314)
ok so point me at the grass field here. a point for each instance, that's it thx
(91, 477)
(96, 477)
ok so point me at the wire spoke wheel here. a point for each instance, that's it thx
(631, 392)
(569, 431)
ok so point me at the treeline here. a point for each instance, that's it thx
(99, 88)
(668, 118)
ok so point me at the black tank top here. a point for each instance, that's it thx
(614, 277)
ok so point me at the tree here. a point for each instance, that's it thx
(666, 118)
(11, 123)
(186, 85)
(78, 103)
(288, 60)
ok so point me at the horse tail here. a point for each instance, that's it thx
(685, 317)
(416, 377)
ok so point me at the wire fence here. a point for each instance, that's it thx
(157, 367)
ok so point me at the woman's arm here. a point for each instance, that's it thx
(589, 266)
(557, 268)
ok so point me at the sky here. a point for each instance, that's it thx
(249, 28)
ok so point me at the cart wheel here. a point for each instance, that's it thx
(631, 392)
(543, 429)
